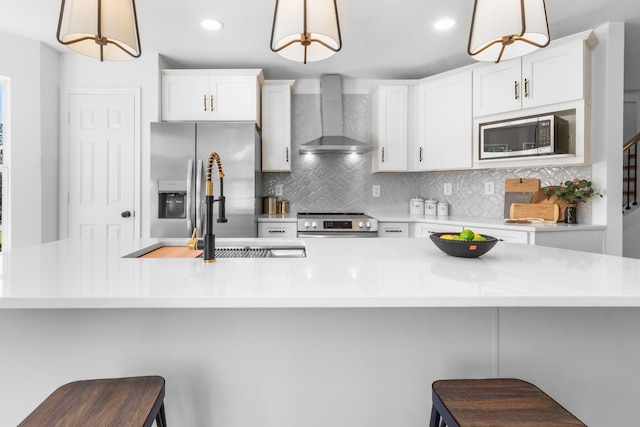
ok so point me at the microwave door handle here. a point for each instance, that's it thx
(189, 200)
(198, 201)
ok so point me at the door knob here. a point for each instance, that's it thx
(125, 214)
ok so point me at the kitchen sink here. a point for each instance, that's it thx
(250, 250)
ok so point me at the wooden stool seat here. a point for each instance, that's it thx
(495, 403)
(121, 402)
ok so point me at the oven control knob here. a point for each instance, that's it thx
(306, 224)
(368, 224)
(360, 224)
(314, 224)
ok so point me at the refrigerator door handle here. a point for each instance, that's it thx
(198, 201)
(189, 186)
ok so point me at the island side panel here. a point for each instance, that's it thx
(239, 367)
(588, 359)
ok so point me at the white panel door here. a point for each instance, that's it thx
(101, 165)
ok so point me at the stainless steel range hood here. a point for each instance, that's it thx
(332, 139)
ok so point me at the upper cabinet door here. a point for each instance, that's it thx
(496, 88)
(211, 95)
(389, 128)
(233, 98)
(553, 75)
(185, 97)
(276, 126)
(445, 120)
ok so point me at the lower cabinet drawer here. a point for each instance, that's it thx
(423, 231)
(506, 235)
(393, 229)
(280, 229)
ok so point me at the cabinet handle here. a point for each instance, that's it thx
(211, 102)
(382, 154)
(393, 230)
(515, 88)
(205, 102)
(286, 154)
(420, 153)
(526, 88)
(277, 231)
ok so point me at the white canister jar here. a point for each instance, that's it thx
(443, 208)
(416, 206)
(430, 207)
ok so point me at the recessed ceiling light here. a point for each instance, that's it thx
(444, 24)
(212, 24)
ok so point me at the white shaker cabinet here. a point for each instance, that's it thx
(551, 75)
(211, 95)
(276, 125)
(389, 128)
(444, 123)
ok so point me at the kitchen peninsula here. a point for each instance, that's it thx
(351, 335)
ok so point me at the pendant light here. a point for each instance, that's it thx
(506, 29)
(306, 30)
(103, 29)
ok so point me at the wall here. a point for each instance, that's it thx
(324, 367)
(338, 182)
(607, 105)
(33, 139)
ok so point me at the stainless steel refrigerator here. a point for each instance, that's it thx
(179, 153)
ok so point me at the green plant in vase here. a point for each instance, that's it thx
(572, 193)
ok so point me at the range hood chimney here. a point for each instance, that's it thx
(332, 139)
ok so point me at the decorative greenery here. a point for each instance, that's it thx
(572, 192)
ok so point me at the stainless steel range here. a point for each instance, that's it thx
(324, 224)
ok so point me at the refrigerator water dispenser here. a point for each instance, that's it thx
(172, 198)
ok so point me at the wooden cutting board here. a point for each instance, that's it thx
(546, 211)
(519, 190)
(541, 197)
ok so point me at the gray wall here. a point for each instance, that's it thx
(337, 182)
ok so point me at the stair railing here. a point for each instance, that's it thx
(630, 173)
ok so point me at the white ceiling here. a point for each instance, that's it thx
(382, 39)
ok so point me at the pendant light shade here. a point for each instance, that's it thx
(506, 29)
(306, 30)
(103, 29)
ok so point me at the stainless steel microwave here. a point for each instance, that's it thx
(532, 136)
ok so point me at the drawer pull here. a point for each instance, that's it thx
(277, 231)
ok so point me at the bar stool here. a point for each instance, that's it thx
(495, 403)
(122, 402)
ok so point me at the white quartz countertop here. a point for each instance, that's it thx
(470, 222)
(456, 221)
(336, 273)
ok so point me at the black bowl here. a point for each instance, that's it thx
(464, 248)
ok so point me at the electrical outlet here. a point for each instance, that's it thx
(279, 191)
(488, 188)
(447, 189)
(376, 191)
